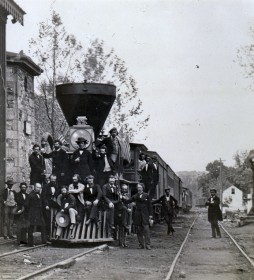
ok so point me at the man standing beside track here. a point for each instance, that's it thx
(214, 213)
(142, 216)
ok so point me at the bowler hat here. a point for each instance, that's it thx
(62, 219)
(81, 139)
(213, 190)
(16, 209)
(9, 181)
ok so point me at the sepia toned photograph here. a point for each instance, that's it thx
(126, 143)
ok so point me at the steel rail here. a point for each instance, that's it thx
(22, 250)
(238, 246)
(168, 277)
(63, 264)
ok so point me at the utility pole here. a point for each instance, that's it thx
(221, 185)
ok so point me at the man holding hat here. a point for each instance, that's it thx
(82, 160)
(214, 213)
(8, 197)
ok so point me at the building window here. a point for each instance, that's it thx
(25, 83)
(233, 191)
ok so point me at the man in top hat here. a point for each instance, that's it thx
(92, 197)
(82, 160)
(20, 214)
(214, 213)
(147, 174)
(59, 162)
(8, 198)
(167, 209)
(37, 164)
(111, 196)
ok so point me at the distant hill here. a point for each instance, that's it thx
(189, 179)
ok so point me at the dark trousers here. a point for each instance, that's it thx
(215, 228)
(22, 230)
(92, 212)
(143, 234)
(8, 220)
(31, 231)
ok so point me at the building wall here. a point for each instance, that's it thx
(20, 130)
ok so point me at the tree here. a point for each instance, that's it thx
(106, 67)
(63, 60)
(56, 53)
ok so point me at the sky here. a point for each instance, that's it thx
(183, 56)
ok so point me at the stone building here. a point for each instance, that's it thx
(20, 113)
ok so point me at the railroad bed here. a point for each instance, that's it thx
(207, 258)
(200, 256)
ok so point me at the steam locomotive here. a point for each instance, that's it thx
(86, 107)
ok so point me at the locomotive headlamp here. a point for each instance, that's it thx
(77, 133)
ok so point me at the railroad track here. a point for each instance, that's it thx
(31, 262)
(227, 244)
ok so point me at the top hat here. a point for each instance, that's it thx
(81, 139)
(9, 181)
(62, 219)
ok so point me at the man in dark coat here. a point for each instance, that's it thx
(92, 198)
(67, 204)
(111, 196)
(37, 164)
(142, 216)
(112, 144)
(147, 174)
(49, 194)
(9, 202)
(167, 209)
(82, 160)
(214, 213)
(59, 162)
(35, 214)
(21, 215)
(77, 190)
(103, 166)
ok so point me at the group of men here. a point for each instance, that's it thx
(34, 209)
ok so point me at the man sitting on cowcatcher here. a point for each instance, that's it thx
(167, 209)
(92, 197)
(67, 204)
(77, 190)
